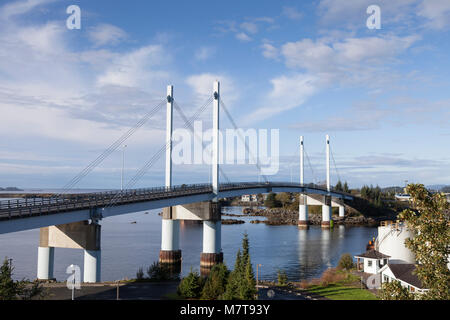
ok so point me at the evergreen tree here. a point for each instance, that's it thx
(190, 286)
(338, 186)
(346, 188)
(245, 249)
(13, 290)
(8, 288)
(232, 291)
(241, 282)
(216, 283)
(248, 287)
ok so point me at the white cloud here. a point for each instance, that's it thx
(269, 51)
(437, 12)
(202, 84)
(352, 14)
(136, 68)
(20, 7)
(243, 37)
(351, 59)
(292, 13)
(287, 93)
(204, 53)
(106, 34)
(249, 27)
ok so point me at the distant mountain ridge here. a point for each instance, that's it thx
(10, 189)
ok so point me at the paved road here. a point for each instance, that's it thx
(278, 294)
(132, 291)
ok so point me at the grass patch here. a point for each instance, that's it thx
(341, 291)
(338, 284)
(172, 296)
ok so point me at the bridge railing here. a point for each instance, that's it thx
(68, 202)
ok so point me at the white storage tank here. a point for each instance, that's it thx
(391, 242)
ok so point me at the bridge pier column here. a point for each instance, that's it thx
(46, 259)
(212, 246)
(76, 235)
(341, 211)
(170, 253)
(303, 222)
(326, 212)
(92, 266)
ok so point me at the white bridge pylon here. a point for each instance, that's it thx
(325, 201)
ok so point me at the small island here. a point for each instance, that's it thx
(10, 189)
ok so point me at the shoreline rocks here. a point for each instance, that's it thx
(280, 216)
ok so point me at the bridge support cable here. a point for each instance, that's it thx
(233, 123)
(310, 166)
(196, 136)
(335, 167)
(113, 147)
(143, 170)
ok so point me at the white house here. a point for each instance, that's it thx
(404, 273)
(372, 261)
(390, 259)
(249, 198)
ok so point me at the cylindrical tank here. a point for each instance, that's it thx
(391, 242)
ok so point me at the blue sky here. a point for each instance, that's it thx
(306, 68)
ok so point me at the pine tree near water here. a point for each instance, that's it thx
(241, 282)
(216, 283)
(16, 290)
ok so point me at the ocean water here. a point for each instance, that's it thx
(127, 246)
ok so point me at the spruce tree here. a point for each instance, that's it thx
(250, 284)
(232, 291)
(8, 288)
(216, 283)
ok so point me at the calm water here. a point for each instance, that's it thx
(303, 254)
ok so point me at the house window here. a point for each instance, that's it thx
(386, 278)
(369, 263)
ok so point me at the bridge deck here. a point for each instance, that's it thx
(32, 207)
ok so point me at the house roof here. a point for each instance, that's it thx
(404, 272)
(372, 254)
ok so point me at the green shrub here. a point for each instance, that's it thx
(160, 272)
(345, 262)
(282, 278)
(395, 291)
(272, 201)
(190, 287)
(140, 274)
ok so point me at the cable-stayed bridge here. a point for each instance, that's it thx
(73, 221)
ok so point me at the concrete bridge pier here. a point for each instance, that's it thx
(77, 235)
(341, 211)
(46, 260)
(209, 213)
(92, 266)
(326, 212)
(212, 246)
(303, 222)
(170, 253)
